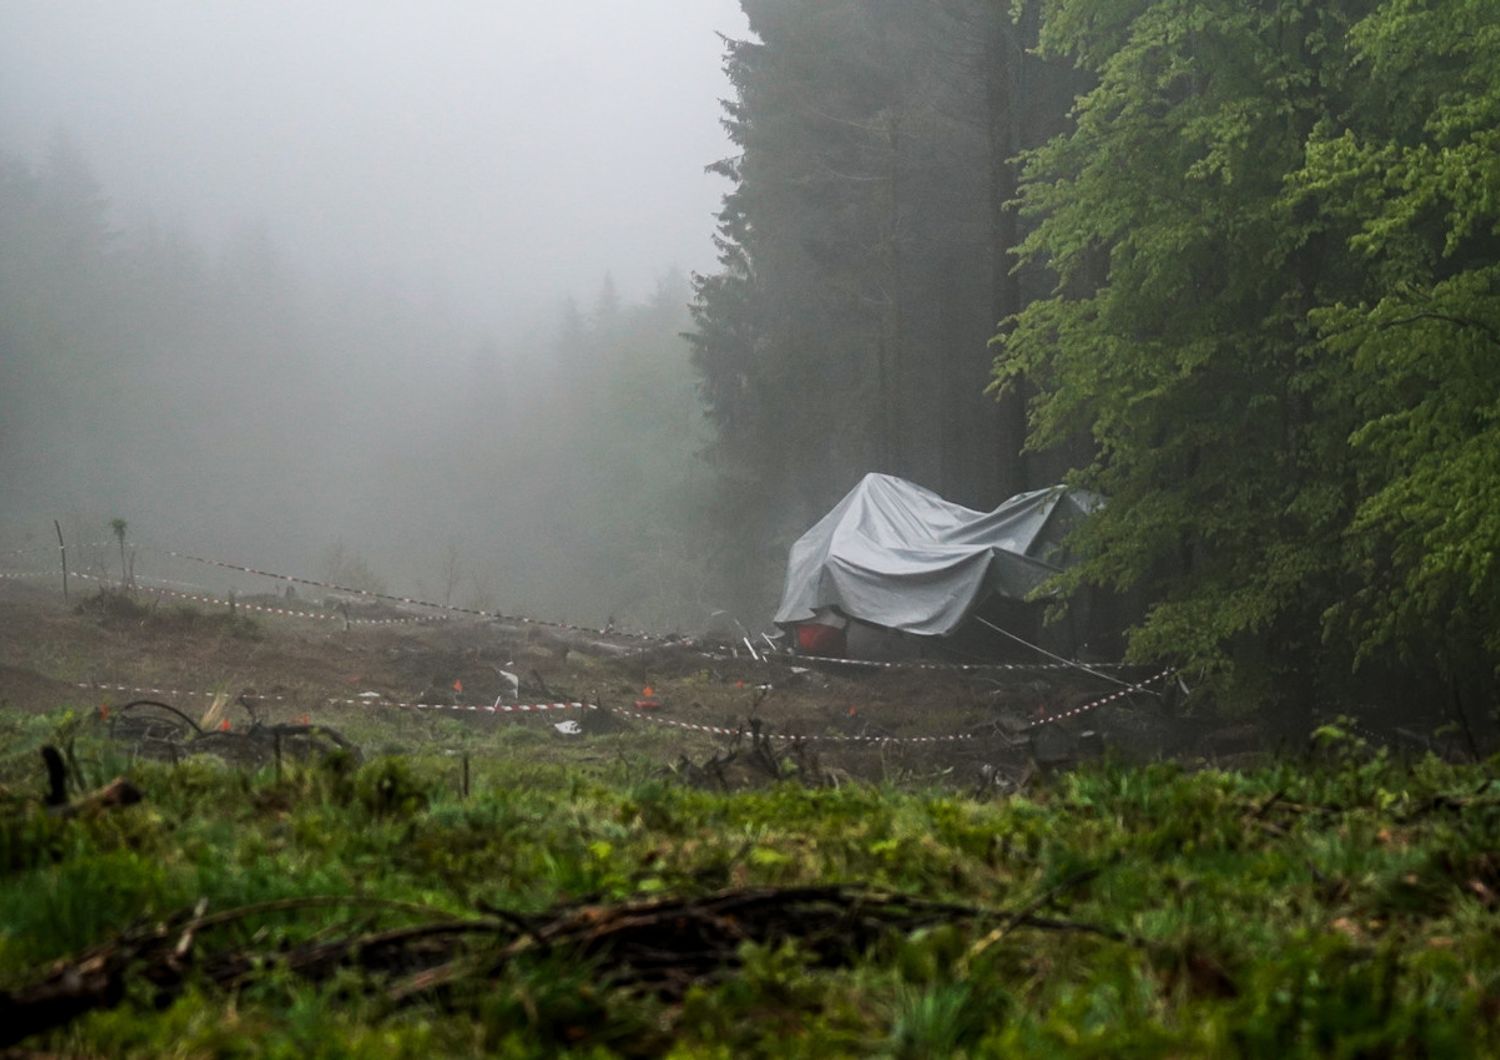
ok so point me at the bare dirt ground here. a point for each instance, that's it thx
(97, 649)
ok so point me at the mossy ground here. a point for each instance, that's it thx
(1343, 905)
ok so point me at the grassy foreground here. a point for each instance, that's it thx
(1345, 906)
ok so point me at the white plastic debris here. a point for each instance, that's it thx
(568, 728)
(511, 680)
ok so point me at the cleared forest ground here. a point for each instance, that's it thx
(404, 688)
(603, 893)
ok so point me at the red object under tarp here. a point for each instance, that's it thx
(814, 638)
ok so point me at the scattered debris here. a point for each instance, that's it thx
(213, 717)
(160, 730)
(512, 682)
(760, 762)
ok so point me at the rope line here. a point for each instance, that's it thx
(1093, 669)
(377, 700)
(537, 708)
(963, 667)
(414, 602)
(56, 548)
(1111, 698)
(282, 611)
(1038, 648)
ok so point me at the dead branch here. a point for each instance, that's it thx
(657, 945)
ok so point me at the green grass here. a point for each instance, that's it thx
(1344, 907)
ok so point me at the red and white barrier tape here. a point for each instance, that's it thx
(959, 667)
(55, 548)
(472, 708)
(285, 612)
(145, 580)
(103, 687)
(719, 730)
(629, 635)
(487, 708)
(1168, 672)
(282, 611)
(538, 708)
(780, 657)
(413, 602)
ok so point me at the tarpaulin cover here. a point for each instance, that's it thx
(900, 556)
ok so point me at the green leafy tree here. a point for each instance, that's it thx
(1272, 234)
(1410, 174)
(1177, 331)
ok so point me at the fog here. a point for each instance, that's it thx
(390, 290)
(498, 154)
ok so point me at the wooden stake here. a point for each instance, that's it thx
(57, 777)
(466, 775)
(63, 549)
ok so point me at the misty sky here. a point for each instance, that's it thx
(495, 152)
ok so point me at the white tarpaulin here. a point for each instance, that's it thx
(897, 555)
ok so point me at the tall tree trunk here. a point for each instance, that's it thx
(1004, 71)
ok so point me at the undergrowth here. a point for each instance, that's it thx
(1347, 906)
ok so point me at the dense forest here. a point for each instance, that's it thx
(1234, 265)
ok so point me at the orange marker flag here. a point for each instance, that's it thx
(224, 725)
(104, 711)
(648, 691)
(458, 686)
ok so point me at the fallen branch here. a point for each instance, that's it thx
(1027, 913)
(158, 952)
(659, 945)
(664, 945)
